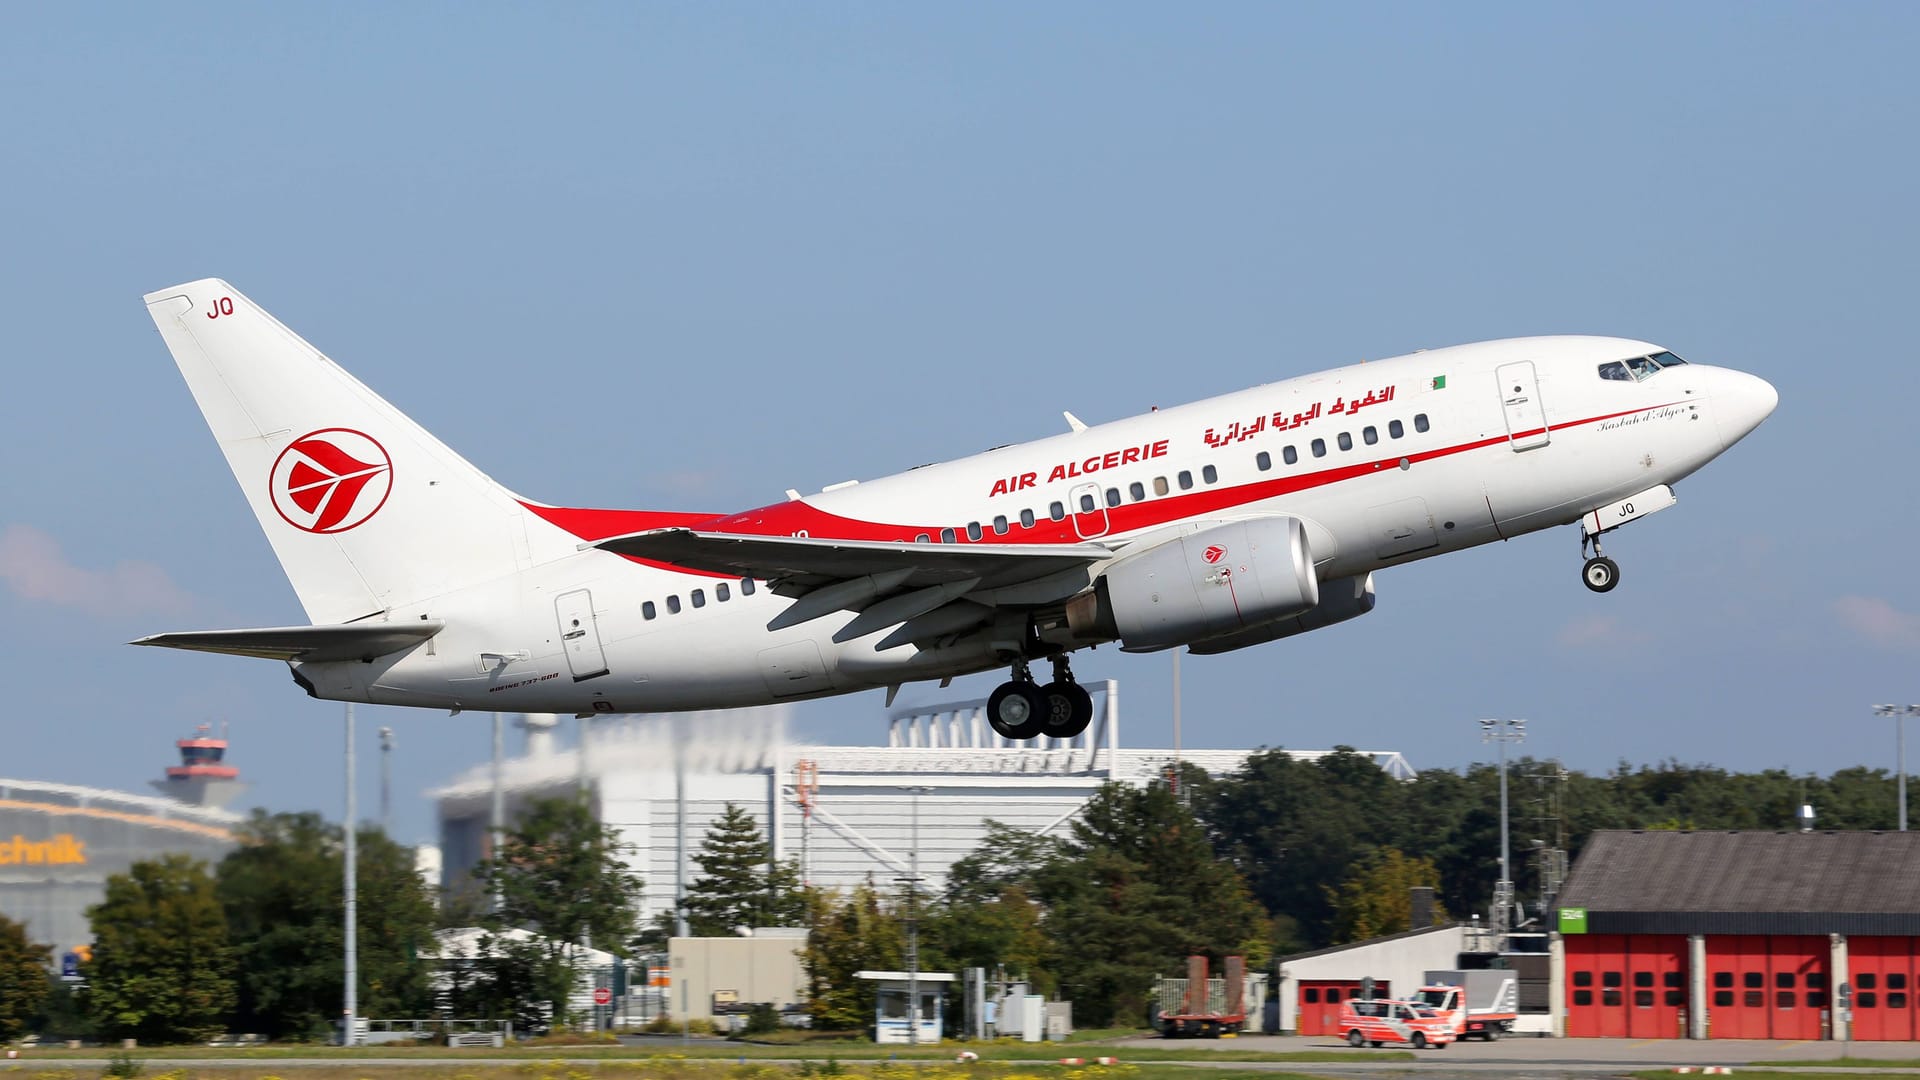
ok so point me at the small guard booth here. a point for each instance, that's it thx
(891, 1020)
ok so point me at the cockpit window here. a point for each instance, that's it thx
(1640, 368)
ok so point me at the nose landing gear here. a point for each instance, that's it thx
(1018, 709)
(1600, 573)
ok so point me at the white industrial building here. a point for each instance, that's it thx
(846, 813)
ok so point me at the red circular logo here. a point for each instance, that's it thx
(1214, 553)
(329, 481)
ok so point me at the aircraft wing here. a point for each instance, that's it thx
(348, 641)
(810, 561)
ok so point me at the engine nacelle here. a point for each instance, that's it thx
(1340, 600)
(1223, 579)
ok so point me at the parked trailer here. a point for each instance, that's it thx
(1206, 1007)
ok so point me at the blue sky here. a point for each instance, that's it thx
(685, 257)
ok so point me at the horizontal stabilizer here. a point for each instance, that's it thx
(819, 560)
(304, 644)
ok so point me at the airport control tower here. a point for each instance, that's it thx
(201, 778)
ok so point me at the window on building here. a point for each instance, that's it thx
(1866, 999)
(1319, 448)
(1783, 999)
(1610, 978)
(1395, 429)
(1896, 1000)
(1673, 978)
(1752, 980)
(1643, 999)
(1263, 461)
(1896, 980)
(1312, 995)
(1675, 998)
(1209, 474)
(1186, 480)
(1784, 980)
(1057, 511)
(1867, 980)
(1816, 999)
(1583, 978)
(973, 530)
(1136, 491)
(1723, 999)
(1583, 997)
(722, 593)
(1345, 440)
(673, 605)
(1000, 525)
(1754, 999)
(647, 610)
(699, 598)
(1113, 496)
(1026, 519)
(1723, 978)
(746, 586)
(1160, 485)
(1290, 456)
(1643, 978)
(1420, 422)
(1610, 998)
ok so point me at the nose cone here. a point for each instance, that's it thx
(1741, 401)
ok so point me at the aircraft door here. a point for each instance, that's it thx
(1089, 511)
(580, 634)
(1520, 400)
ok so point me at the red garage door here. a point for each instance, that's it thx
(1320, 1003)
(1623, 986)
(1761, 987)
(1883, 970)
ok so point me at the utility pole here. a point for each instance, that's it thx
(386, 781)
(349, 1033)
(912, 881)
(1503, 732)
(1900, 714)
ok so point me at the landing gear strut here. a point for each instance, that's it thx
(1018, 709)
(1600, 573)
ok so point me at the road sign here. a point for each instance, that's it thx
(602, 996)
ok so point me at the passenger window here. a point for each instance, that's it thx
(1087, 505)
(699, 598)
(1113, 496)
(1026, 519)
(722, 593)
(1290, 455)
(1159, 485)
(1057, 512)
(1263, 461)
(1209, 474)
(647, 610)
(1615, 371)
(922, 538)
(1186, 479)
(1136, 491)
(1395, 429)
(673, 605)
(1420, 422)
(1000, 525)
(746, 583)
(1346, 441)
(1319, 448)
(946, 536)
(973, 530)
(1371, 434)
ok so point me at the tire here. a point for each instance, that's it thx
(1440, 1046)
(1375, 1044)
(1600, 574)
(1354, 1038)
(1492, 1034)
(1017, 710)
(1419, 1041)
(1069, 709)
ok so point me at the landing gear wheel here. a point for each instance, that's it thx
(1069, 709)
(1354, 1038)
(1418, 1042)
(1017, 710)
(1601, 574)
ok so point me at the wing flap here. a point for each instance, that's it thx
(820, 561)
(306, 644)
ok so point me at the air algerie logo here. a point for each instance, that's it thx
(1214, 553)
(331, 480)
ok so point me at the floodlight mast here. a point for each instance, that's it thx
(1900, 714)
(1503, 732)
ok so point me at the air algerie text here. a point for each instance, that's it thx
(1068, 470)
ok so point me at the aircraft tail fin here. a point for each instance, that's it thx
(363, 507)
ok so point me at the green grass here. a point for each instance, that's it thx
(1847, 1063)
(1812, 1071)
(714, 1051)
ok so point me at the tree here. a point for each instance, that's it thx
(282, 893)
(855, 934)
(740, 882)
(1378, 899)
(162, 970)
(561, 875)
(23, 979)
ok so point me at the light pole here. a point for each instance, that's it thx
(350, 1029)
(386, 780)
(1900, 714)
(912, 881)
(1503, 732)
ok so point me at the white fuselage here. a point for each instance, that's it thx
(1385, 462)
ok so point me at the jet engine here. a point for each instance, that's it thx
(1340, 600)
(1224, 579)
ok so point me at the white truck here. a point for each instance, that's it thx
(1477, 1004)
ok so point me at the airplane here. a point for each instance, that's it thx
(1212, 526)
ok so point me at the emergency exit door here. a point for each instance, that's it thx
(1520, 401)
(580, 635)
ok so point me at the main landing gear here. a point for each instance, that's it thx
(1018, 709)
(1600, 573)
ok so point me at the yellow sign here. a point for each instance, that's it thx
(61, 850)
